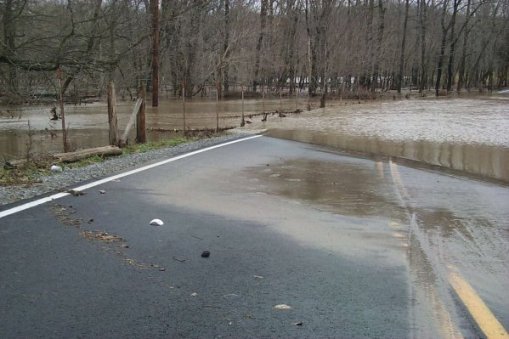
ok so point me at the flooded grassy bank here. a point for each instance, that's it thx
(29, 128)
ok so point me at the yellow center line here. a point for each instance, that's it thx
(482, 315)
(479, 311)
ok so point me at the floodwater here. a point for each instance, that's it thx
(88, 124)
(445, 224)
(468, 135)
(488, 161)
(394, 217)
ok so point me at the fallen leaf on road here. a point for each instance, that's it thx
(101, 236)
(75, 193)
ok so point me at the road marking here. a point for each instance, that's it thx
(482, 315)
(446, 325)
(479, 311)
(115, 177)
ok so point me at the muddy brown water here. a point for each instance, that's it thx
(440, 220)
(88, 124)
(487, 161)
(464, 135)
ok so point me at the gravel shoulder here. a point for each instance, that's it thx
(73, 176)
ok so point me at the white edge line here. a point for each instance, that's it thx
(114, 177)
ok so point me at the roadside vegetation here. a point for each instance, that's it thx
(29, 172)
(151, 145)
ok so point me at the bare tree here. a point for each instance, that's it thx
(154, 11)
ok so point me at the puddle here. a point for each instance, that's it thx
(342, 188)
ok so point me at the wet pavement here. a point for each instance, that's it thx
(357, 247)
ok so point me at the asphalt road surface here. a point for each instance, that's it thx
(304, 242)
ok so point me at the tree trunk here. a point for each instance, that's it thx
(9, 30)
(192, 45)
(452, 46)
(399, 81)
(443, 44)
(226, 47)
(463, 58)
(381, 27)
(263, 24)
(423, 23)
(141, 134)
(370, 50)
(112, 114)
(312, 55)
(87, 153)
(154, 10)
(62, 88)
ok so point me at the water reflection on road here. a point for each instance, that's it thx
(489, 161)
(441, 221)
(344, 188)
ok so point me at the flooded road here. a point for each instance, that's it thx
(467, 135)
(480, 160)
(356, 247)
(445, 224)
(435, 225)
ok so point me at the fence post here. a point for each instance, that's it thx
(243, 121)
(218, 89)
(183, 108)
(281, 99)
(112, 114)
(141, 134)
(263, 98)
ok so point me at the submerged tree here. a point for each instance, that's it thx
(323, 46)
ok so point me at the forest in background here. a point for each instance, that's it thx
(322, 47)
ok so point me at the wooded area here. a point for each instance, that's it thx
(75, 48)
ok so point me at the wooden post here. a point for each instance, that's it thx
(112, 114)
(130, 123)
(263, 98)
(280, 99)
(243, 121)
(218, 89)
(141, 134)
(183, 108)
(62, 112)
(296, 99)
